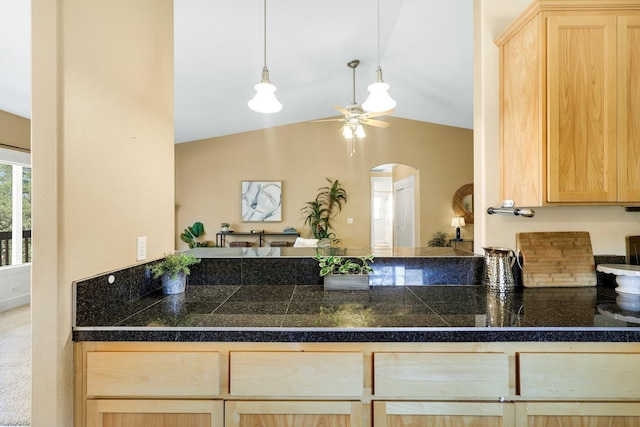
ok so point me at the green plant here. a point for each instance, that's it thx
(320, 213)
(225, 224)
(173, 264)
(344, 265)
(191, 236)
(438, 239)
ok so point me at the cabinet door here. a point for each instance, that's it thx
(441, 375)
(154, 413)
(296, 373)
(579, 376)
(628, 108)
(592, 414)
(443, 414)
(581, 103)
(293, 414)
(153, 374)
(522, 135)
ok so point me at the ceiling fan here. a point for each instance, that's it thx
(355, 116)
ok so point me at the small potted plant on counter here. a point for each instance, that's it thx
(224, 227)
(173, 271)
(345, 273)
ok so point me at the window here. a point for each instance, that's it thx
(15, 208)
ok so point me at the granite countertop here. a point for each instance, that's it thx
(307, 313)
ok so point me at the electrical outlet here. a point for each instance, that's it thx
(141, 249)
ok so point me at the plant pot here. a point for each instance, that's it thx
(224, 229)
(346, 282)
(173, 285)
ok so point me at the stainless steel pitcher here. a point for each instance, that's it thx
(498, 275)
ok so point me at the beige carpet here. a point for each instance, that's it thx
(15, 366)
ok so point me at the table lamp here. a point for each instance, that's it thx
(457, 222)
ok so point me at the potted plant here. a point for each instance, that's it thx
(224, 226)
(321, 211)
(438, 239)
(173, 271)
(345, 273)
(191, 236)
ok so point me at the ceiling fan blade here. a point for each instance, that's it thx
(328, 120)
(376, 123)
(342, 110)
(377, 114)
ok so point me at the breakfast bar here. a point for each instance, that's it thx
(425, 344)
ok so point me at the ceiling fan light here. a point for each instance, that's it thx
(347, 132)
(379, 99)
(360, 131)
(265, 100)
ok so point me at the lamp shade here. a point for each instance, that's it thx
(379, 99)
(457, 221)
(265, 100)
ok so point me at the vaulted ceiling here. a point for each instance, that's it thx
(426, 53)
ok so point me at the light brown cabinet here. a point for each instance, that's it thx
(570, 104)
(293, 414)
(154, 413)
(443, 414)
(592, 414)
(497, 384)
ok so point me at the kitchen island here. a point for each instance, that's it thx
(294, 354)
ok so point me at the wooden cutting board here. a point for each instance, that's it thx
(556, 259)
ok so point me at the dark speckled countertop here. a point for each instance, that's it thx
(269, 295)
(384, 313)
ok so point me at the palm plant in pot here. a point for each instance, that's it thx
(173, 271)
(320, 212)
(345, 273)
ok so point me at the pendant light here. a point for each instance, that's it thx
(265, 100)
(379, 99)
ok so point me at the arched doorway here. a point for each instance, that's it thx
(395, 204)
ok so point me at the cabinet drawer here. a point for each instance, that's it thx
(590, 375)
(439, 375)
(153, 374)
(296, 374)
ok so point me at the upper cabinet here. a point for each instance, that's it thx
(570, 104)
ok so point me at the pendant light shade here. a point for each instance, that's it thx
(265, 100)
(379, 99)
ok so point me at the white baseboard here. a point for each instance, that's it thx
(15, 302)
(15, 286)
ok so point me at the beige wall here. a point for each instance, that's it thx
(209, 173)
(102, 163)
(608, 226)
(15, 131)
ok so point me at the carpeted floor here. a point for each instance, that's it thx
(15, 366)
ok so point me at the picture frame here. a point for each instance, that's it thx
(261, 201)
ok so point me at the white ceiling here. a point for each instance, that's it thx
(426, 49)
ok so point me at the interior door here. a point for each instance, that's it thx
(404, 218)
(381, 212)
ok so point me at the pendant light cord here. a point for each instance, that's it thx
(378, 33)
(264, 15)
